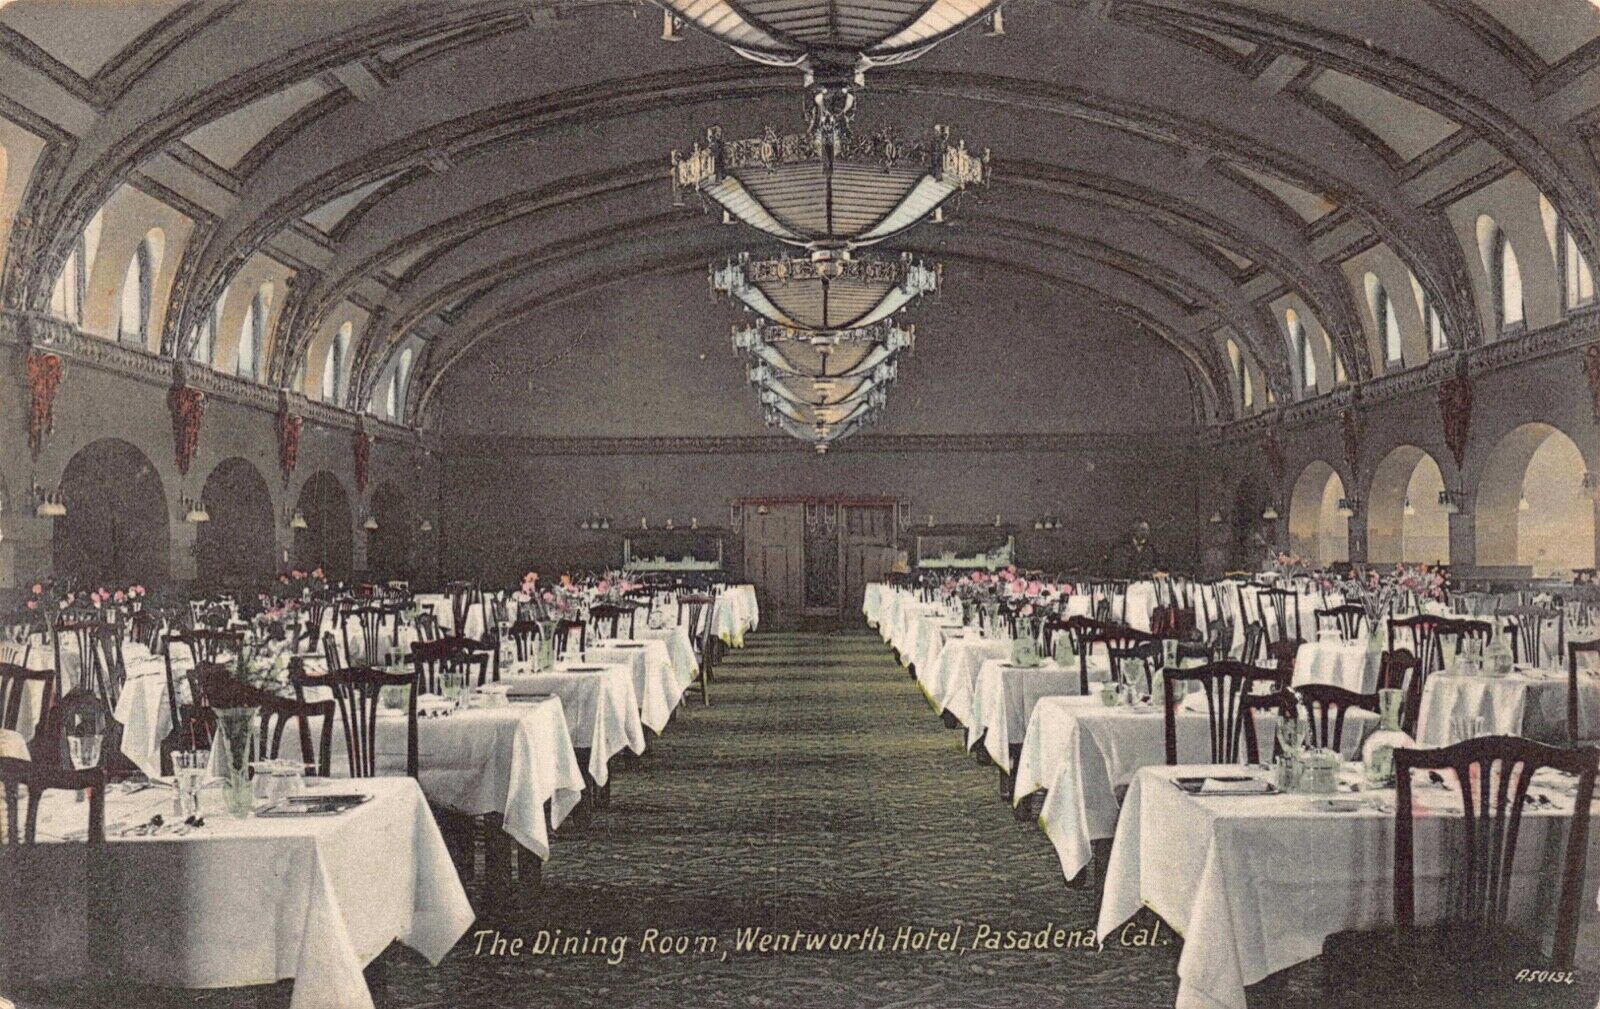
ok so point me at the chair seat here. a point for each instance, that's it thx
(1446, 966)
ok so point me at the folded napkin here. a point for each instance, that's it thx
(1247, 786)
(1195, 702)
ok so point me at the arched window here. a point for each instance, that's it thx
(252, 333)
(1386, 320)
(1505, 275)
(333, 365)
(1308, 360)
(1241, 375)
(1578, 290)
(205, 340)
(133, 319)
(66, 300)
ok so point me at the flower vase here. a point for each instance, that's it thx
(545, 660)
(1377, 753)
(237, 735)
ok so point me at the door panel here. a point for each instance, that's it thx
(774, 550)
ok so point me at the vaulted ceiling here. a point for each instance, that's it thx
(463, 168)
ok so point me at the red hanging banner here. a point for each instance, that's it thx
(289, 426)
(187, 406)
(44, 378)
(1455, 408)
(363, 454)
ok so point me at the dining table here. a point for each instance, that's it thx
(231, 902)
(656, 683)
(1004, 696)
(1083, 752)
(1528, 701)
(1254, 883)
(599, 702)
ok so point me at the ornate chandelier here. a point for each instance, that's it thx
(825, 350)
(829, 36)
(826, 295)
(826, 190)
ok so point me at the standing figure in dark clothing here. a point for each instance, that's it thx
(1135, 556)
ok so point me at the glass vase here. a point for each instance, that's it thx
(545, 658)
(1377, 753)
(237, 736)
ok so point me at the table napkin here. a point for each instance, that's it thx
(1252, 786)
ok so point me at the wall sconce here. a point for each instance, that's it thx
(1522, 503)
(1270, 512)
(669, 522)
(1046, 522)
(1453, 501)
(426, 526)
(49, 504)
(193, 510)
(371, 524)
(595, 520)
(1348, 506)
(298, 520)
(670, 24)
(1409, 509)
(997, 22)
(1216, 518)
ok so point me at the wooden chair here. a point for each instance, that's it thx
(1574, 649)
(370, 619)
(1461, 631)
(14, 682)
(1124, 647)
(1281, 703)
(705, 644)
(607, 620)
(1348, 619)
(40, 778)
(1526, 626)
(277, 713)
(357, 692)
(430, 660)
(1080, 630)
(428, 625)
(565, 629)
(1282, 654)
(1474, 949)
(1326, 706)
(1285, 604)
(98, 645)
(1224, 684)
(1424, 632)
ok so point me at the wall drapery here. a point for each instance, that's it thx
(187, 405)
(44, 378)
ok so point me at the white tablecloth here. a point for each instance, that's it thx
(873, 600)
(1082, 751)
(1346, 664)
(144, 710)
(601, 708)
(735, 614)
(655, 682)
(1003, 698)
(685, 665)
(948, 680)
(1532, 704)
(241, 902)
(1254, 884)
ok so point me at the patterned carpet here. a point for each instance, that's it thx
(816, 793)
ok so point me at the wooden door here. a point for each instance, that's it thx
(866, 550)
(774, 560)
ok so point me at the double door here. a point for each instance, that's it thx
(813, 557)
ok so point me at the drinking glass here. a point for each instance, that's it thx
(453, 683)
(84, 735)
(189, 770)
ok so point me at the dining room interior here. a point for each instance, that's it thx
(805, 503)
